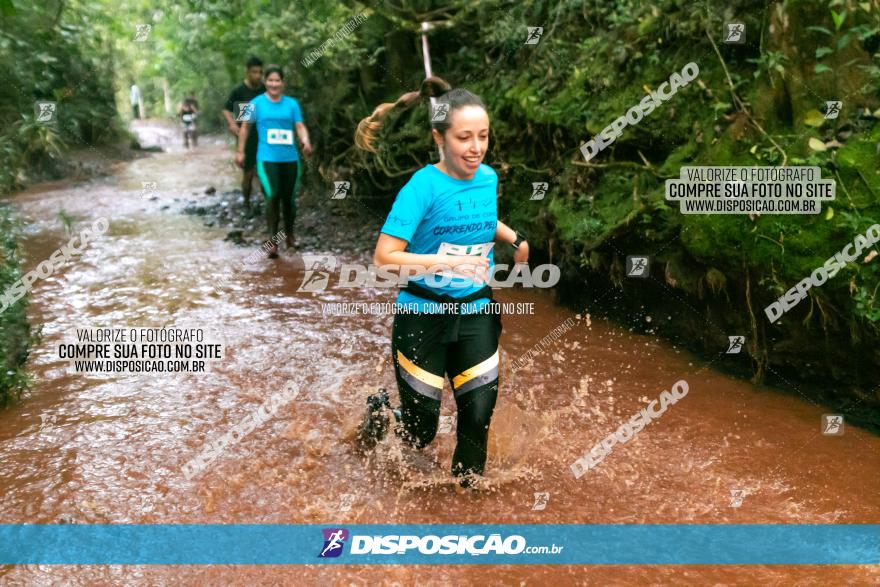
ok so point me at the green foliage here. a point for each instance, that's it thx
(15, 333)
(771, 61)
(841, 38)
(868, 306)
(53, 52)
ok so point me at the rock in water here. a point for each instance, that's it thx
(235, 236)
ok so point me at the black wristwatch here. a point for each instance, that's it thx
(519, 240)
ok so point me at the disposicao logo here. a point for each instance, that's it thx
(334, 541)
(413, 545)
(317, 272)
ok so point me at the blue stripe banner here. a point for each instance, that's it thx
(603, 544)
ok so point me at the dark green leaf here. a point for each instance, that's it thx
(819, 29)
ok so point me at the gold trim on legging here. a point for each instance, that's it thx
(479, 374)
(422, 381)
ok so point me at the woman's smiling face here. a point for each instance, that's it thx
(274, 83)
(465, 142)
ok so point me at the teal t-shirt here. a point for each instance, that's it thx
(276, 124)
(439, 214)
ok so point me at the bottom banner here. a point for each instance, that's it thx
(563, 544)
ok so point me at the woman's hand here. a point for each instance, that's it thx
(474, 267)
(521, 255)
(239, 159)
(307, 149)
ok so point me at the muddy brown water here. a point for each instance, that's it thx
(89, 449)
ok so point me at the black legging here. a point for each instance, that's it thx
(422, 358)
(279, 188)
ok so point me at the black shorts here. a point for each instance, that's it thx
(250, 150)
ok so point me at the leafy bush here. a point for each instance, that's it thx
(52, 52)
(15, 333)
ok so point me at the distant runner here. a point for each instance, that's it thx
(445, 215)
(276, 116)
(235, 111)
(188, 112)
(135, 98)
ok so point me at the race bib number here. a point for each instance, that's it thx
(478, 250)
(279, 136)
(187, 117)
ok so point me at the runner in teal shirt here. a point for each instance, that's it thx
(277, 117)
(439, 214)
(444, 220)
(276, 122)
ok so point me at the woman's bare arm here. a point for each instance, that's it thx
(242, 136)
(506, 234)
(242, 141)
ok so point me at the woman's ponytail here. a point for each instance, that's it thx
(364, 137)
(434, 87)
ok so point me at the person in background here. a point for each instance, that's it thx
(135, 96)
(277, 117)
(188, 112)
(236, 112)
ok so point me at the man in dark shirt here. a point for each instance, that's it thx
(236, 111)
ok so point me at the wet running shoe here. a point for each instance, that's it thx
(291, 241)
(375, 424)
(273, 251)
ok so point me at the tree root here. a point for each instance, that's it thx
(757, 350)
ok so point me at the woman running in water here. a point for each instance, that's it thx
(446, 215)
(276, 116)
